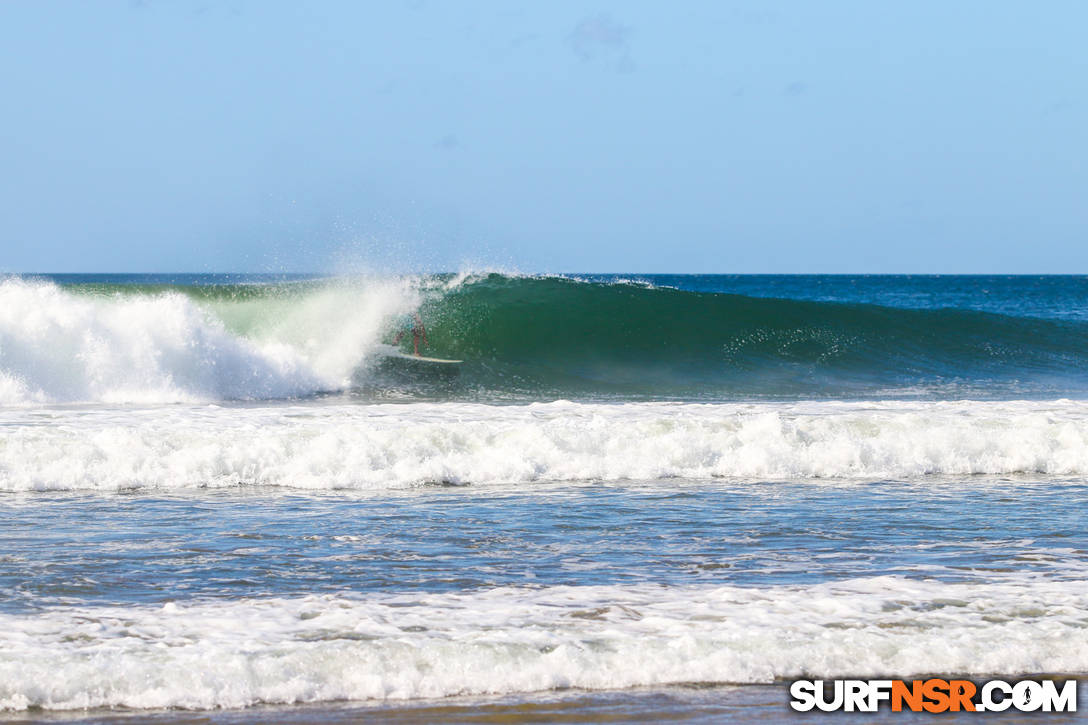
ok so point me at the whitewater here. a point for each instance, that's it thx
(405, 647)
(56, 346)
(214, 498)
(385, 446)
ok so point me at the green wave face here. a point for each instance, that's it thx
(562, 336)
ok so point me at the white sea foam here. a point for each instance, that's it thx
(389, 446)
(56, 346)
(313, 649)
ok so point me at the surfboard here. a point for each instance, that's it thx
(423, 360)
(404, 366)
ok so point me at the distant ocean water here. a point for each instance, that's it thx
(214, 495)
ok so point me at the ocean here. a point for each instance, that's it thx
(641, 497)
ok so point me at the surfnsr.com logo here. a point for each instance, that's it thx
(934, 695)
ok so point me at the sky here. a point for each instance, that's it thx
(611, 136)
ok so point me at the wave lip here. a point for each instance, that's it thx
(374, 447)
(510, 640)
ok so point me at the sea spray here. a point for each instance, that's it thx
(62, 345)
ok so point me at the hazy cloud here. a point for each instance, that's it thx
(600, 36)
(523, 39)
(795, 88)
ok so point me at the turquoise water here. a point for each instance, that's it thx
(211, 500)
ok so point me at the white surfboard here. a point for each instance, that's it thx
(423, 360)
(418, 367)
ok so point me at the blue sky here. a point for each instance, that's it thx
(256, 135)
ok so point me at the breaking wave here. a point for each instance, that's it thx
(520, 337)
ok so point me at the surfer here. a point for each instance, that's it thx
(418, 331)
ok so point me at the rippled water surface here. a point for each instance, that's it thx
(148, 549)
